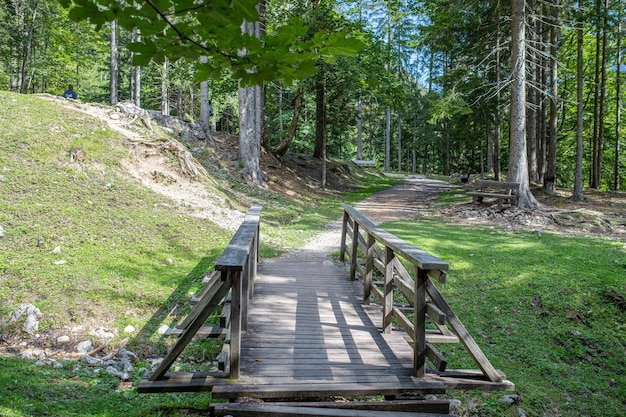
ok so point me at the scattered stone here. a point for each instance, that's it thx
(32, 314)
(61, 262)
(521, 412)
(473, 404)
(102, 333)
(121, 375)
(33, 353)
(115, 116)
(1, 231)
(84, 347)
(511, 399)
(91, 361)
(63, 339)
(455, 407)
(164, 329)
(126, 359)
(129, 329)
(56, 250)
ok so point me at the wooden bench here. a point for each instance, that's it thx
(502, 191)
(363, 163)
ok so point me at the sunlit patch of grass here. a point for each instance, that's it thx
(536, 305)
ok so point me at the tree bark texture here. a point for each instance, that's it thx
(518, 165)
(578, 176)
(549, 181)
(113, 72)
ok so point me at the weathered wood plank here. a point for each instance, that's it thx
(414, 406)
(261, 410)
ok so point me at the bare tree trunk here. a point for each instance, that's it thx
(388, 139)
(618, 103)
(549, 181)
(320, 113)
(251, 116)
(518, 165)
(282, 148)
(137, 75)
(113, 65)
(497, 169)
(601, 129)
(399, 142)
(531, 112)
(165, 99)
(206, 109)
(359, 130)
(578, 177)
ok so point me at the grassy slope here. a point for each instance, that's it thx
(128, 256)
(565, 352)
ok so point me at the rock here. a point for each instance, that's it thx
(521, 412)
(164, 329)
(32, 314)
(121, 375)
(511, 399)
(33, 353)
(129, 329)
(61, 262)
(90, 360)
(102, 333)
(63, 339)
(1, 231)
(84, 347)
(455, 407)
(56, 250)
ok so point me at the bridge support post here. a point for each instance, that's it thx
(419, 323)
(388, 294)
(235, 324)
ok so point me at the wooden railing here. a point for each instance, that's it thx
(230, 285)
(406, 271)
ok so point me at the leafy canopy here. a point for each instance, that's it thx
(188, 29)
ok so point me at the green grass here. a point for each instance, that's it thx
(565, 354)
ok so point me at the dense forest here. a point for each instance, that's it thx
(417, 86)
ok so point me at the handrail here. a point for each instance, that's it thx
(374, 249)
(235, 271)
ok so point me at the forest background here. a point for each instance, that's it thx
(428, 92)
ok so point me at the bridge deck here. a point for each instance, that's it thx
(309, 336)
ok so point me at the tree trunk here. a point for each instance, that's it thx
(618, 103)
(113, 65)
(549, 181)
(531, 112)
(137, 76)
(359, 130)
(399, 142)
(518, 165)
(206, 109)
(601, 129)
(497, 168)
(320, 113)
(284, 144)
(388, 139)
(165, 99)
(578, 177)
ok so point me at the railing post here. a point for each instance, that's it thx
(235, 324)
(344, 232)
(369, 269)
(419, 323)
(355, 250)
(388, 294)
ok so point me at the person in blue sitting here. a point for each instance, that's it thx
(70, 93)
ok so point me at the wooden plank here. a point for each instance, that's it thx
(436, 358)
(183, 382)
(435, 314)
(208, 279)
(260, 410)
(418, 386)
(408, 405)
(205, 332)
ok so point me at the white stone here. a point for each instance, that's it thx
(164, 329)
(1, 231)
(129, 329)
(84, 347)
(63, 339)
(33, 353)
(102, 333)
(56, 250)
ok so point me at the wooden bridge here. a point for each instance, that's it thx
(307, 329)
